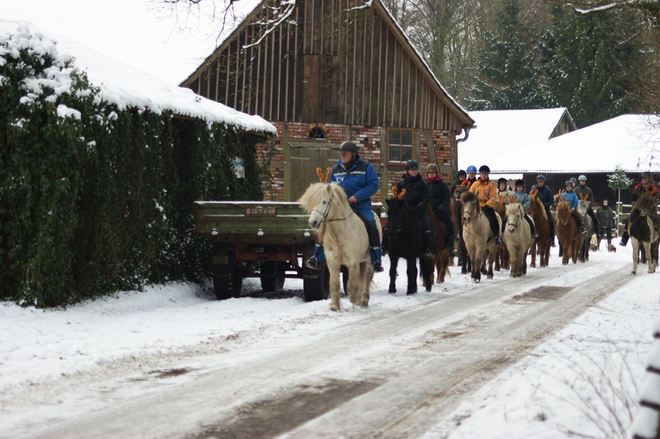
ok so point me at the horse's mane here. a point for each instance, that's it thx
(317, 192)
(539, 205)
(513, 207)
(470, 197)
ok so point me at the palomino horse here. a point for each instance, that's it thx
(457, 216)
(588, 223)
(442, 255)
(344, 238)
(643, 227)
(502, 257)
(517, 237)
(479, 238)
(543, 242)
(406, 240)
(568, 233)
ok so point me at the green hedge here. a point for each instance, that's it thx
(98, 199)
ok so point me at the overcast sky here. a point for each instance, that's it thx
(141, 33)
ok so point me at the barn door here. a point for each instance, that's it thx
(304, 159)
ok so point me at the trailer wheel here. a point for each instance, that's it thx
(228, 284)
(318, 288)
(272, 268)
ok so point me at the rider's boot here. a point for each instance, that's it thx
(317, 258)
(624, 238)
(430, 245)
(376, 260)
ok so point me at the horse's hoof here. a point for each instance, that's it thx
(633, 273)
(490, 276)
(411, 293)
(392, 291)
(428, 289)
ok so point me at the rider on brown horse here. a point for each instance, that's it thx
(439, 200)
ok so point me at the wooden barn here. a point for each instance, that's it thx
(327, 71)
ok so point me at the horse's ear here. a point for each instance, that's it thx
(327, 177)
(320, 174)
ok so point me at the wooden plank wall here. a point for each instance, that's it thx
(337, 66)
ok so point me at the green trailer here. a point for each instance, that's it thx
(265, 239)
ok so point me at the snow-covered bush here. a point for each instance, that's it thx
(94, 198)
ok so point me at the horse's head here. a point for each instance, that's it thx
(644, 205)
(583, 205)
(514, 216)
(324, 201)
(397, 213)
(563, 212)
(535, 206)
(471, 208)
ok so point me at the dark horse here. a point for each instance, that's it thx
(456, 213)
(644, 229)
(406, 240)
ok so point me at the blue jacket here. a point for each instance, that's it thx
(523, 199)
(360, 181)
(571, 198)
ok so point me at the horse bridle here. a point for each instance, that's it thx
(324, 215)
(515, 226)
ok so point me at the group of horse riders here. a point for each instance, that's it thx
(360, 182)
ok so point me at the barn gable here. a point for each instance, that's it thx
(335, 66)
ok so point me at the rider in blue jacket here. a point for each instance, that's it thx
(572, 200)
(360, 182)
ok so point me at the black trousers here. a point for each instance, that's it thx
(531, 224)
(445, 218)
(372, 231)
(578, 218)
(606, 231)
(490, 214)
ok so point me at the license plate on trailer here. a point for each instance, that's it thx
(260, 211)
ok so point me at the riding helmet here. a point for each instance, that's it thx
(567, 183)
(520, 183)
(540, 177)
(484, 168)
(501, 180)
(432, 167)
(411, 164)
(461, 173)
(573, 180)
(646, 175)
(348, 146)
(472, 169)
(582, 177)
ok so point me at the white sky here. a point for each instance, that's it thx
(141, 33)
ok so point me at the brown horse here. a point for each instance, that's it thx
(478, 237)
(457, 216)
(442, 255)
(502, 256)
(643, 228)
(537, 211)
(568, 233)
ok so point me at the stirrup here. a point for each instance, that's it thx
(313, 263)
(378, 267)
(535, 235)
(583, 230)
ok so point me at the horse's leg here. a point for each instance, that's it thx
(476, 265)
(393, 262)
(532, 262)
(427, 272)
(335, 291)
(412, 276)
(635, 248)
(366, 276)
(491, 261)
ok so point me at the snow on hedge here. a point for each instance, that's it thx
(119, 83)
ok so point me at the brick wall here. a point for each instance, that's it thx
(368, 140)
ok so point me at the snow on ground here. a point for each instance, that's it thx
(554, 390)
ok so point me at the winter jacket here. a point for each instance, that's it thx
(417, 192)
(486, 192)
(468, 183)
(523, 199)
(571, 199)
(438, 194)
(506, 194)
(360, 181)
(545, 196)
(605, 216)
(584, 191)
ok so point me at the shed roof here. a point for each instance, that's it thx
(629, 141)
(501, 132)
(128, 87)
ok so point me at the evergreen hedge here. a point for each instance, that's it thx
(95, 199)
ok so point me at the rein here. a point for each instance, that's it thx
(324, 215)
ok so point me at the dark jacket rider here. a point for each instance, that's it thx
(417, 198)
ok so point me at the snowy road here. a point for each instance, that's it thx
(384, 372)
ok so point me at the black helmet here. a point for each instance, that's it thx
(501, 180)
(461, 172)
(573, 180)
(484, 168)
(348, 146)
(540, 177)
(520, 183)
(411, 164)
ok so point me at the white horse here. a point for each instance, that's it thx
(344, 238)
(478, 236)
(517, 237)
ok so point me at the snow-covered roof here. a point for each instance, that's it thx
(628, 141)
(128, 87)
(500, 132)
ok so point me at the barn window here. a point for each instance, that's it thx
(316, 133)
(399, 145)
